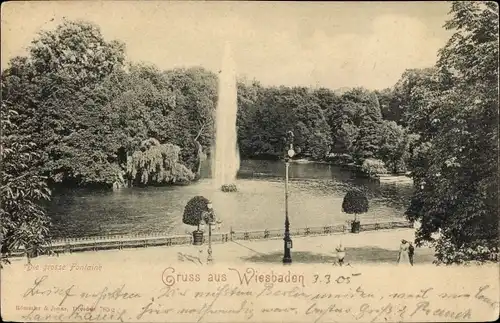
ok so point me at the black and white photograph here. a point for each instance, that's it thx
(249, 161)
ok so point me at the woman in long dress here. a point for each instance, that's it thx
(404, 258)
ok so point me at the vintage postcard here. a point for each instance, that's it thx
(188, 161)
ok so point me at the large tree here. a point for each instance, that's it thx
(88, 113)
(456, 185)
(54, 90)
(24, 223)
(249, 93)
(312, 132)
(195, 93)
(394, 146)
(156, 163)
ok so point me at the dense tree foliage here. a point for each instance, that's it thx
(155, 163)
(456, 158)
(171, 106)
(56, 92)
(373, 167)
(24, 223)
(87, 111)
(323, 123)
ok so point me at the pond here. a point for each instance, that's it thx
(315, 198)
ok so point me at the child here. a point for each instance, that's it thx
(340, 253)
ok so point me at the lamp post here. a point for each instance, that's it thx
(287, 257)
(210, 220)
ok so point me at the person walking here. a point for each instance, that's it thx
(411, 252)
(403, 257)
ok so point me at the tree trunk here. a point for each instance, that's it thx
(198, 159)
(199, 153)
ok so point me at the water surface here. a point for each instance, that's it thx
(315, 198)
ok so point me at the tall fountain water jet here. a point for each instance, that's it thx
(226, 159)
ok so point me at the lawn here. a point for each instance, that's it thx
(356, 255)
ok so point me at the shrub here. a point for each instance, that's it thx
(478, 252)
(229, 188)
(193, 212)
(373, 167)
(355, 202)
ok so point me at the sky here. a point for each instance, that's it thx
(325, 44)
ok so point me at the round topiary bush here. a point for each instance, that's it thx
(229, 188)
(355, 202)
(193, 212)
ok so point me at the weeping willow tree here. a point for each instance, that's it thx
(156, 163)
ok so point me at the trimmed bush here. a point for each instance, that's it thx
(355, 202)
(194, 209)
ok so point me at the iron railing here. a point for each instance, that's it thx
(95, 243)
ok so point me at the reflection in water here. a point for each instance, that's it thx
(316, 193)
